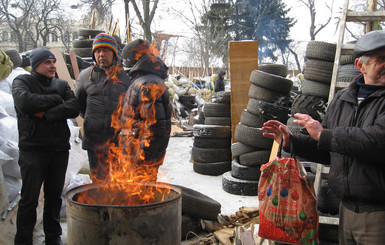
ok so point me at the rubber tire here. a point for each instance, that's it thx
(245, 172)
(211, 143)
(239, 187)
(208, 155)
(320, 50)
(212, 131)
(198, 205)
(260, 93)
(226, 121)
(314, 88)
(190, 227)
(87, 33)
(254, 158)
(223, 97)
(268, 110)
(270, 81)
(211, 168)
(275, 69)
(217, 110)
(311, 105)
(318, 70)
(252, 120)
(87, 43)
(327, 202)
(83, 52)
(346, 73)
(252, 137)
(238, 149)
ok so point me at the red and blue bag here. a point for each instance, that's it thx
(287, 203)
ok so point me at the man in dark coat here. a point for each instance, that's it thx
(100, 90)
(147, 111)
(351, 139)
(219, 82)
(43, 104)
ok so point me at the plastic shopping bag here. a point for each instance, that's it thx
(287, 203)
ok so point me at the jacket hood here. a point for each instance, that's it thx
(149, 65)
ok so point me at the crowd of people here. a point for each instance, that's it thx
(350, 138)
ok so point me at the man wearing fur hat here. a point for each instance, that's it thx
(147, 99)
(99, 91)
(43, 104)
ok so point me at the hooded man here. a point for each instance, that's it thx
(147, 111)
(43, 104)
(100, 90)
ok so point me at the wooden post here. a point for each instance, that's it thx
(372, 6)
(243, 57)
(128, 29)
(109, 25)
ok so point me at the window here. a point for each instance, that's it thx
(54, 37)
(13, 37)
(5, 36)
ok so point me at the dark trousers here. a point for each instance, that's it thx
(38, 167)
(361, 228)
(99, 167)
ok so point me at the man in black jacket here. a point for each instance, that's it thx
(147, 111)
(100, 90)
(351, 139)
(219, 82)
(43, 104)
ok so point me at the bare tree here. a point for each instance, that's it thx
(19, 17)
(145, 18)
(315, 29)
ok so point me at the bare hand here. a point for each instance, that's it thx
(312, 126)
(277, 131)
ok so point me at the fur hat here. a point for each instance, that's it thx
(104, 40)
(134, 50)
(39, 55)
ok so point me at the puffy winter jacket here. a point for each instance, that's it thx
(144, 73)
(36, 93)
(353, 142)
(98, 99)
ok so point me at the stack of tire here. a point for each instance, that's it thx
(316, 85)
(269, 99)
(83, 45)
(347, 71)
(211, 151)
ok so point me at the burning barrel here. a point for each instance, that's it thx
(133, 213)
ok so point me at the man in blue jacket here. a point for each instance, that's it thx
(351, 139)
(43, 104)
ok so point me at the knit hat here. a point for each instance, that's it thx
(6, 65)
(104, 40)
(134, 50)
(38, 55)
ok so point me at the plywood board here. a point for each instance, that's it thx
(243, 57)
(62, 72)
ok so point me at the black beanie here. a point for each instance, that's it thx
(39, 55)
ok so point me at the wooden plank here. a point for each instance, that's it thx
(375, 16)
(243, 57)
(74, 64)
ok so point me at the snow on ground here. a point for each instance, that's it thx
(178, 169)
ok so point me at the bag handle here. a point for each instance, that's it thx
(292, 155)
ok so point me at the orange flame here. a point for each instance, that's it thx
(126, 158)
